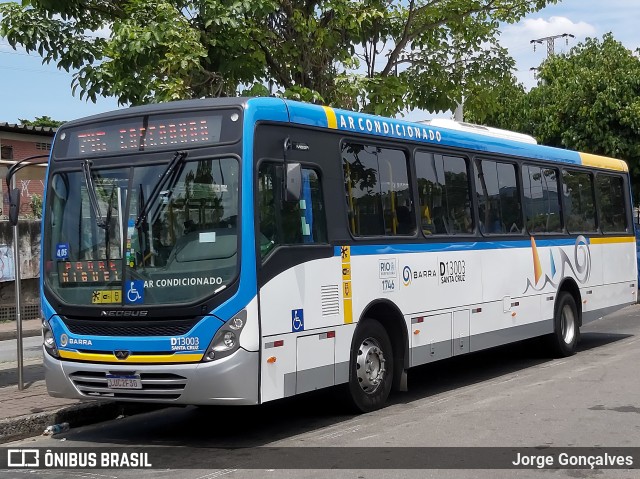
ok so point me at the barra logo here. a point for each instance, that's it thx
(64, 340)
(408, 275)
(23, 458)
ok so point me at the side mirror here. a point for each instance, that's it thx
(293, 182)
(14, 206)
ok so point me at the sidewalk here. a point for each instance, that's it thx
(28, 412)
(30, 328)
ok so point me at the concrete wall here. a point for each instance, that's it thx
(29, 246)
(29, 239)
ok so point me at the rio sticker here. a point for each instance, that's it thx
(387, 268)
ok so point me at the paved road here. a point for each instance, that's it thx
(512, 396)
(32, 349)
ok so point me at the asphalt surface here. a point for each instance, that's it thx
(513, 396)
(31, 349)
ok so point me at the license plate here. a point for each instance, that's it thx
(124, 382)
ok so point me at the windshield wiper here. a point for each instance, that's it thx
(169, 173)
(91, 191)
(107, 230)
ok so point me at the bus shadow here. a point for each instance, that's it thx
(443, 376)
(252, 426)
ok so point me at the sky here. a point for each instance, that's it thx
(29, 89)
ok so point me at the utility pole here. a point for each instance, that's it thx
(551, 42)
(17, 282)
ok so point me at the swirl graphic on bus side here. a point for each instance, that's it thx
(580, 267)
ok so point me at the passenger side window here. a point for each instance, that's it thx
(498, 198)
(612, 211)
(377, 191)
(284, 222)
(579, 205)
(541, 200)
(443, 189)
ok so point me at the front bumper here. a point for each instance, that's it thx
(232, 380)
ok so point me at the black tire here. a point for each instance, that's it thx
(369, 389)
(566, 329)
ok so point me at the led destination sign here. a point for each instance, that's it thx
(147, 133)
(166, 133)
(88, 272)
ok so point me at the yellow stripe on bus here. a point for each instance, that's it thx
(348, 311)
(332, 121)
(134, 358)
(347, 307)
(603, 162)
(612, 239)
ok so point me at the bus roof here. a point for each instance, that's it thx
(349, 121)
(480, 129)
(362, 123)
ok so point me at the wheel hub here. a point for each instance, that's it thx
(370, 366)
(568, 325)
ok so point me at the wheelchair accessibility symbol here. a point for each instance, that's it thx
(297, 320)
(134, 293)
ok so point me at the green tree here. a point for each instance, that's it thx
(499, 104)
(372, 55)
(45, 121)
(586, 100)
(36, 205)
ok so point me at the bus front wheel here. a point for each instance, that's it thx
(566, 329)
(370, 366)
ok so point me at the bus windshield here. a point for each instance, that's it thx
(142, 235)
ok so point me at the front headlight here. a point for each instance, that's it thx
(48, 340)
(227, 340)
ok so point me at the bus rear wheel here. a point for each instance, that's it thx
(566, 329)
(370, 366)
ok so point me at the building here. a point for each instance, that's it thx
(16, 143)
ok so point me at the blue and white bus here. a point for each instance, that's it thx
(237, 251)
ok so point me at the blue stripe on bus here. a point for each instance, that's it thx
(366, 250)
(204, 331)
(307, 114)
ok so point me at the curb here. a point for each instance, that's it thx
(77, 415)
(28, 331)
